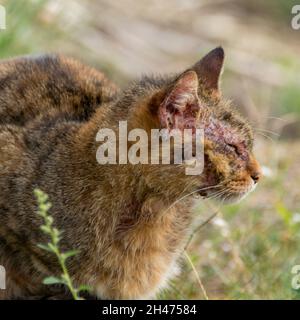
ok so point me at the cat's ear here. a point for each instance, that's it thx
(180, 107)
(209, 69)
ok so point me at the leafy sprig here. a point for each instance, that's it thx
(53, 246)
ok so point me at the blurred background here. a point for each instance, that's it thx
(242, 251)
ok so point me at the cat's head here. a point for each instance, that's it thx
(193, 100)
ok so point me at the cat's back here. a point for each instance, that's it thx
(42, 99)
(30, 86)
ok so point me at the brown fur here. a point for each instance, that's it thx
(120, 217)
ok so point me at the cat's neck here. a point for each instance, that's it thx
(126, 183)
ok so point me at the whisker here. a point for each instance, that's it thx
(218, 194)
(268, 131)
(215, 194)
(266, 136)
(187, 195)
(275, 118)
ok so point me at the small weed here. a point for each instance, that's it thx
(53, 246)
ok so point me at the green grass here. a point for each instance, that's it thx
(289, 99)
(26, 28)
(52, 246)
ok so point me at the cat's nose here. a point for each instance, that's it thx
(254, 169)
(256, 176)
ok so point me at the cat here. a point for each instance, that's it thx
(129, 222)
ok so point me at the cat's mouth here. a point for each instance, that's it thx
(227, 194)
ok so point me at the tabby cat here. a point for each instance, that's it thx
(125, 220)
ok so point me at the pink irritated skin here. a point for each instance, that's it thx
(181, 107)
(220, 133)
(214, 130)
(227, 142)
(181, 118)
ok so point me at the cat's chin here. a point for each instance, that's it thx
(228, 197)
(233, 198)
(236, 197)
